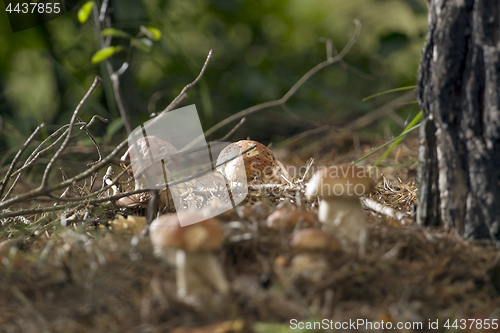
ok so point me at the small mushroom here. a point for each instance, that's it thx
(339, 209)
(257, 211)
(310, 261)
(199, 276)
(257, 163)
(148, 170)
(286, 218)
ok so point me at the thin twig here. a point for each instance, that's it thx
(102, 13)
(42, 191)
(109, 184)
(99, 152)
(35, 155)
(303, 135)
(114, 76)
(285, 108)
(332, 50)
(177, 100)
(231, 132)
(39, 192)
(32, 211)
(68, 136)
(17, 157)
(293, 89)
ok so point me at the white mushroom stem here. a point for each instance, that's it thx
(199, 274)
(345, 216)
(115, 188)
(167, 254)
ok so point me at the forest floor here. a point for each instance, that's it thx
(90, 277)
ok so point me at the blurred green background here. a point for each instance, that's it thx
(260, 49)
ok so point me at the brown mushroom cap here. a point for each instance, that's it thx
(258, 162)
(288, 218)
(340, 181)
(204, 236)
(149, 147)
(312, 240)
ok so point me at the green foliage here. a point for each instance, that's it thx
(115, 33)
(143, 44)
(85, 11)
(260, 49)
(113, 128)
(410, 126)
(105, 53)
(151, 32)
(399, 137)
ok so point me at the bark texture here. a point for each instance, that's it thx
(459, 93)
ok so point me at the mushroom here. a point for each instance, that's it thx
(257, 163)
(287, 218)
(130, 201)
(199, 276)
(311, 245)
(149, 170)
(339, 209)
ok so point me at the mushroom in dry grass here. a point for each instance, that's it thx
(149, 171)
(199, 276)
(130, 201)
(258, 162)
(257, 211)
(310, 261)
(286, 218)
(340, 209)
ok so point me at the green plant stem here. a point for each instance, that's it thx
(388, 92)
(401, 136)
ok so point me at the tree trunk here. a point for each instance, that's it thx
(459, 93)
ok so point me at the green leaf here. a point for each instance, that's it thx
(113, 128)
(151, 32)
(388, 92)
(156, 33)
(143, 44)
(84, 12)
(115, 33)
(105, 53)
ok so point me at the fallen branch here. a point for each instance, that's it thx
(183, 92)
(377, 207)
(47, 192)
(46, 173)
(329, 61)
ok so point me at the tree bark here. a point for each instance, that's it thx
(459, 93)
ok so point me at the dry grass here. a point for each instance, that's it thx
(86, 277)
